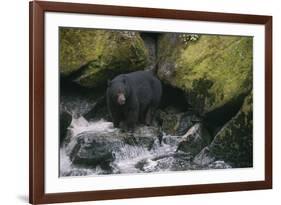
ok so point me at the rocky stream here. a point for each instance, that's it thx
(205, 117)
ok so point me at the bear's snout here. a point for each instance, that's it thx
(121, 99)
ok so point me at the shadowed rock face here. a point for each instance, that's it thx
(65, 120)
(234, 142)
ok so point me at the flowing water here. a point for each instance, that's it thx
(161, 154)
(129, 158)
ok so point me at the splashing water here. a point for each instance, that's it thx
(127, 156)
(141, 152)
(80, 125)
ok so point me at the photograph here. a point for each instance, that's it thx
(129, 102)
(143, 102)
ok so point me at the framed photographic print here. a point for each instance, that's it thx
(139, 102)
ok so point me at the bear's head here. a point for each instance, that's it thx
(118, 90)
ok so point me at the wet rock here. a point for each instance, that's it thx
(171, 140)
(169, 162)
(147, 165)
(142, 136)
(212, 70)
(178, 124)
(91, 56)
(187, 120)
(234, 142)
(80, 171)
(204, 157)
(219, 165)
(65, 120)
(77, 172)
(91, 149)
(195, 139)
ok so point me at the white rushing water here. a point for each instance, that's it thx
(80, 125)
(126, 157)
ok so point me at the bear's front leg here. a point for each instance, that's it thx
(116, 117)
(131, 120)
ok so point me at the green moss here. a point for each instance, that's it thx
(100, 54)
(225, 62)
(75, 48)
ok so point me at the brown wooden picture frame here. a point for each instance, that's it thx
(37, 193)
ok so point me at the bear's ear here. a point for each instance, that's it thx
(108, 83)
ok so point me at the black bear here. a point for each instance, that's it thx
(133, 98)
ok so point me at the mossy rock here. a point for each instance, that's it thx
(212, 70)
(94, 56)
(234, 142)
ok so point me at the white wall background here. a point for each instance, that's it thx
(14, 100)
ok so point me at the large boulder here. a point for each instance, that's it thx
(90, 149)
(92, 56)
(212, 70)
(99, 148)
(234, 142)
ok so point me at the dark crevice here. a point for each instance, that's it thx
(173, 97)
(77, 99)
(68, 87)
(79, 72)
(217, 118)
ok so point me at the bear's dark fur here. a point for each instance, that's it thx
(133, 98)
